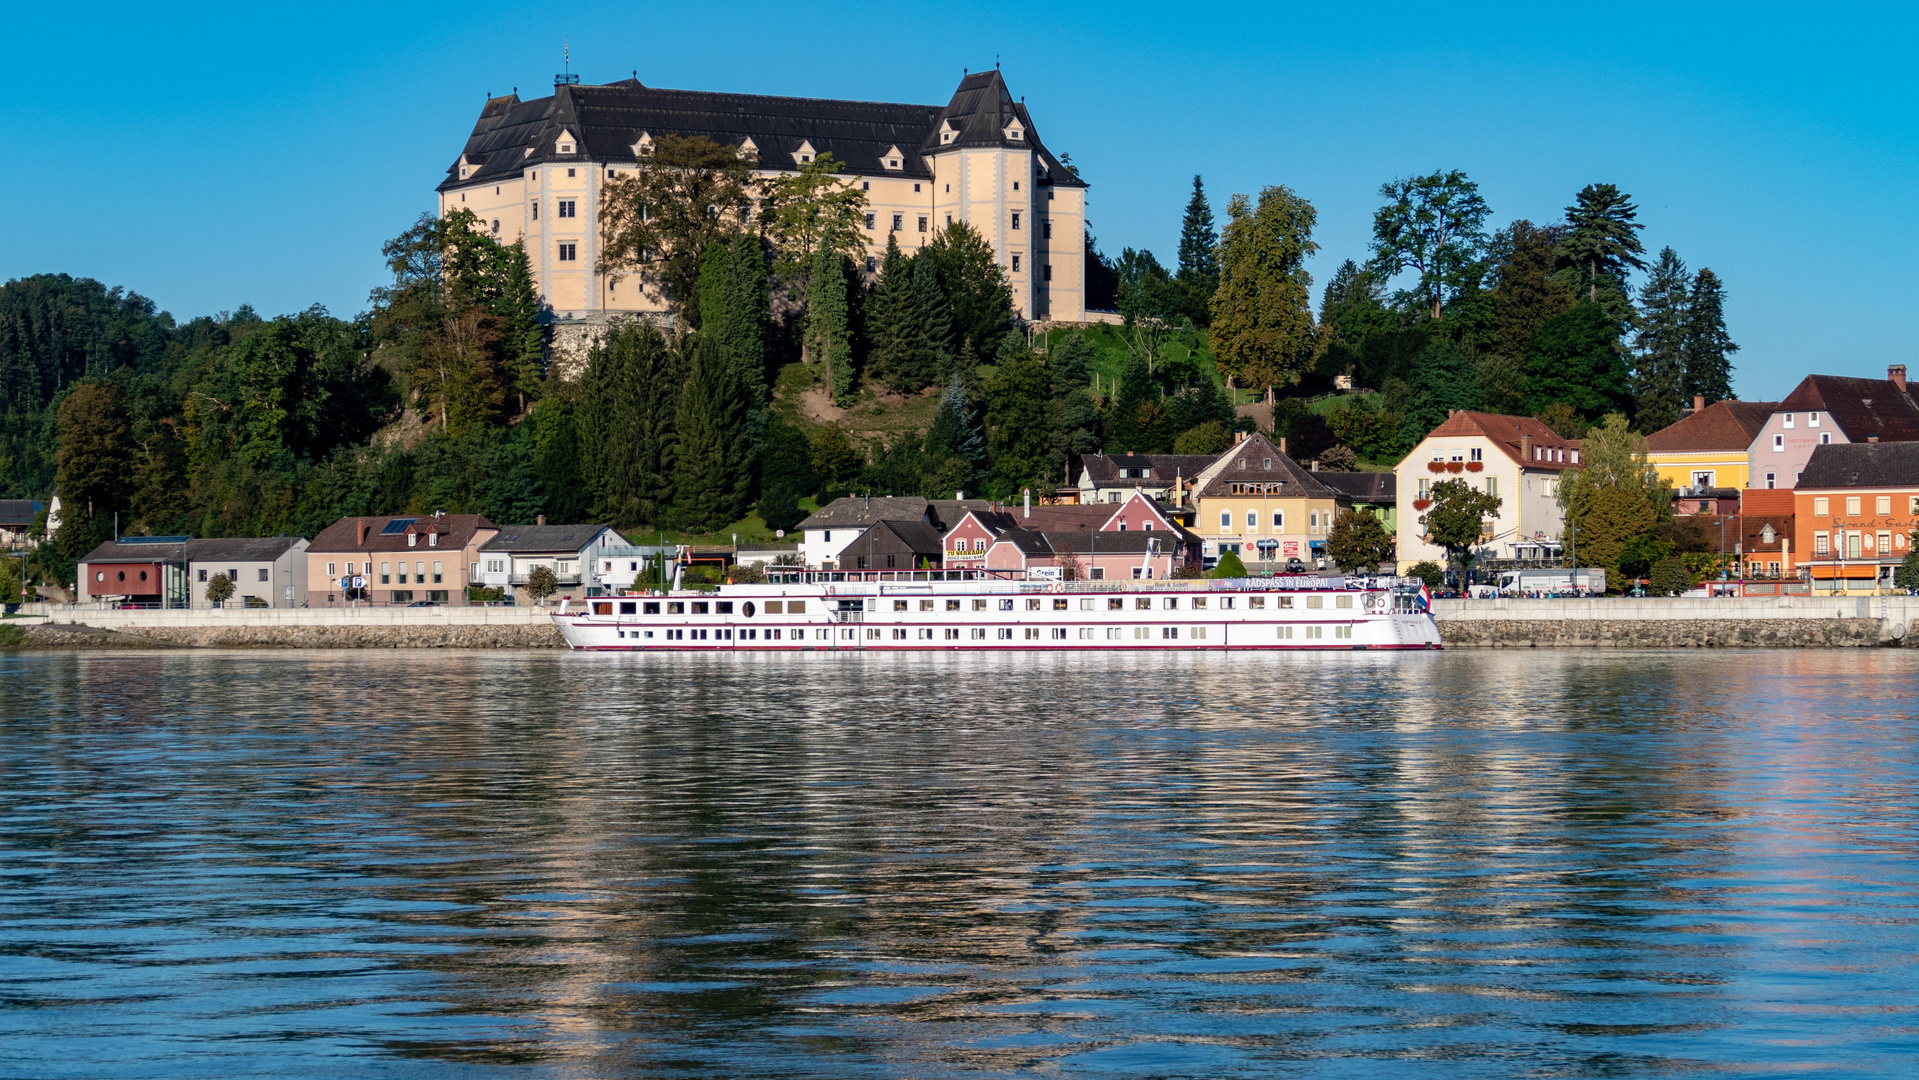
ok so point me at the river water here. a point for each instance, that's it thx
(1461, 864)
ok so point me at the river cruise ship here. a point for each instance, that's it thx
(957, 610)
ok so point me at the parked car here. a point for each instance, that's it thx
(424, 603)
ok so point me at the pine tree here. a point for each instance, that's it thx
(955, 433)
(629, 397)
(1660, 371)
(518, 308)
(712, 474)
(1709, 347)
(829, 340)
(888, 319)
(1198, 274)
(747, 317)
(1602, 237)
(932, 326)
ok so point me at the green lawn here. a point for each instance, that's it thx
(750, 529)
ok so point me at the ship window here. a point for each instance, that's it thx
(1344, 601)
(675, 607)
(628, 607)
(1144, 603)
(651, 607)
(699, 607)
(1006, 605)
(1315, 601)
(1115, 604)
(723, 607)
(1285, 601)
(926, 605)
(979, 605)
(1199, 603)
(899, 605)
(1032, 605)
(952, 605)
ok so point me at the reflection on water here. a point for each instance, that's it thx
(1455, 864)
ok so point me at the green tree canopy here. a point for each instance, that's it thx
(1660, 372)
(974, 284)
(1263, 332)
(713, 458)
(829, 334)
(1602, 237)
(812, 209)
(1575, 358)
(629, 398)
(1434, 225)
(658, 220)
(1456, 519)
(1359, 541)
(1708, 347)
(1229, 566)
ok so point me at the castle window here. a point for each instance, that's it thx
(869, 220)
(866, 185)
(1046, 229)
(949, 221)
(1016, 185)
(609, 174)
(872, 264)
(805, 158)
(899, 222)
(569, 251)
(569, 172)
(916, 189)
(496, 226)
(569, 208)
(1016, 219)
(1016, 264)
(1049, 272)
(566, 148)
(923, 220)
(536, 211)
(892, 163)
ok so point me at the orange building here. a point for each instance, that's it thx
(1856, 505)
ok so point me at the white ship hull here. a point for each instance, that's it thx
(901, 614)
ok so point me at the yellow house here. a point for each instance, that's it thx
(534, 169)
(1710, 447)
(1259, 504)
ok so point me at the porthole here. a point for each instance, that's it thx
(99, 575)
(121, 575)
(746, 609)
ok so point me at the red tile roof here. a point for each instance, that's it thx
(1723, 425)
(1508, 433)
(1863, 408)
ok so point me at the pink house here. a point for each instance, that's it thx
(1090, 555)
(969, 543)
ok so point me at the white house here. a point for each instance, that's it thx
(266, 571)
(1514, 458)
(586, 560)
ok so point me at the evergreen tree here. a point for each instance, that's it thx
(1446, 380)
(829, 339)
(954, 432)
(712, 465)
(553, 459)
(1017, 429)
(1602, 238)
(887, 315)
(1709, 347)
(932, 326)
(1660, 372)
(974, 284)
(96, 446)
(629, 398)
(1525, 291)
(748, 322)
(524, 339)
(1198, 244)
(1575, 359)
(1136, 391)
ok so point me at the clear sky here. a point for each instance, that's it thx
(211, 155)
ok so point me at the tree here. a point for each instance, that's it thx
(1669, 577)
(954, 432)
(541, 583)
(1660, 373)
(1433, 224)
(219, 588)
(1017, 428)
(1146, 291)
(1526, 295)
(1708, 347)
(712, 463)
(1907, 574)
(1198, 254)
(1210, 437)
(629, 397)
(96, 449)
(811, 210)
(733, 311)
(523, 337)
(1616, 498)
(835, 460)
(829, 337)
(1575, 358)
(909, 324)
(1359, 541)
(1262, 317)
(9, 582)
(1443, 380)
(1456, 519)
(974, 284)
(1602, 237)
(658, 220)
(1428, 572)
(1229, 566)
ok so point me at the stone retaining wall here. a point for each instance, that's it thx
(1665, 633)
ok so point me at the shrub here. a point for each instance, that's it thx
(1229, 566)
(747, 575)
(219, 589)
(1339, 459)
(1669, 576)
(12, 637)
(1428, 572)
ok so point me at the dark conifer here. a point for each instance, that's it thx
(1709, 347)
(712, 473)
(1659, 370)
(629, 397)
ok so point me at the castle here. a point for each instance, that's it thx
(534, 170)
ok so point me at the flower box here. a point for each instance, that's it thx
(1435, 466)
(1455, 466)
(1475, 466)
(1421, 504)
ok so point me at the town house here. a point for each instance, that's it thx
(1516, 459)
(266, 571)
(1856, 506)
(1709, 449)
(582, 559)
(1827, 409)
(416, 558)
(1262, 506)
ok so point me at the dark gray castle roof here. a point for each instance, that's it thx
(606, 121)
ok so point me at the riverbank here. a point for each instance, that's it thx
(1747, 622)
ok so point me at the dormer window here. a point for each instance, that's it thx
(947, 133)
(804, 155)
(644, 147)
(1014, 133)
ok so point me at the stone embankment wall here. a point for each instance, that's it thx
(1744, 622)
(302, 628)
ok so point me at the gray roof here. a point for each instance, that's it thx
(915, 536)
(607, 120)
(860, 511)
(19, 511)
(1862, 465)
(544, 539)
(1161, 468)
(161, 549)
(242, 548)
(1377, 488)
(1264, 465)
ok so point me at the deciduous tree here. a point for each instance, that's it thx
(1456, 519)
(1263, 329)
(1435, 225)
(658, 220)
(829, 336)
(813, 209)
(1359, 541)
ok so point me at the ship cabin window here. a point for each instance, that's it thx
(629, 607)
(1199, 603)
(1086, 603)
(952, 605)
(1172, 603)
(899, 605)
(1256, 603)
(1006, 605)
(1032, 605)
(723, 607)
(979, 605)
(675, 607)
(926, 605)
(1285, 601)
(699, 607)
(795, 607)
(1144, 603)
(1114, 603)
(1315, 601)
(651, 607)
(1059, 605)
(1225, 602)
(773, 607)
(1343, 601)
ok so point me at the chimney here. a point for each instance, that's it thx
(1525, 447)
(959, 496)
(359, 533)
(539, 519)
(1897, 373)
(1282, 444)
(1872, 438)
(1699, 403)
(1028, 501)
(1315, 464)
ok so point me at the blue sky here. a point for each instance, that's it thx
(220, 155)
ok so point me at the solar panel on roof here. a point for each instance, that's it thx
(397, 526)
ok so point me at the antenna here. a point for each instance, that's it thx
(566, 78)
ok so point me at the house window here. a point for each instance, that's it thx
(1825, 438)
(979, 545)
(569, 208)
(569, 251)
(330, 571)
(869, 220)
(536, 211)
(1047, 273)
(438, 574)
(1016, 219)
(1492, 486)
(265, 574)
(1225, 521)
(1852, 506)
(1475, 453)
(1425, 488)
(386, 573)
(1279, 521)
(1772, 480)
(1046, 229)
(923, 222)
(1882, 505)
(1252, 521)
(203, 573)
(899, 222)
(1778, 444)
(1812, 419)
(1820, 544)
(1788, 417)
